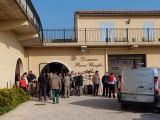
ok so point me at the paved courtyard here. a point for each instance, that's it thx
(78, 108)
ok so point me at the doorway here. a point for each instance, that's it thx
(54, 67)
(18, 71)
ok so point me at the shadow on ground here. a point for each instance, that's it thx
(150, 116)
(111, 104)
(100, 103)
(40, 103)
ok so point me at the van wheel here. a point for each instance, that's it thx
(124, 106)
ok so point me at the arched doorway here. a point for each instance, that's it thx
(55, 67)
(18, 71)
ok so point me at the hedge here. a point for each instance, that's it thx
(11, 98)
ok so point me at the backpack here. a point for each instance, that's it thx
(111, 78)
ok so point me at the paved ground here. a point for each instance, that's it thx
(78, 108)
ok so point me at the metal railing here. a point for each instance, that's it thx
(102, 35)
(59, 35)
(31, 12)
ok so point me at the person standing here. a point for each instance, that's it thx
(72, 83)
(49, 91)
(96, 82)
(31, 77)
(62, 83)
(76, 83)
(17, 79)
(80, 84)
(42, 86)
(55, 85)
(25, 77)
(23, 84)
(35, 88)
(67, 82)
(105, 84)
(61, 79)
(111, 82)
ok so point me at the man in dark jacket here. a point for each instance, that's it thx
(80, 84)
(31, 77)
(105, 84)
(76, 83)
(42, 85)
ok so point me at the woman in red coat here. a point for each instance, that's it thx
(23, 84)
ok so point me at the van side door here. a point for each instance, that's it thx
(145, 87)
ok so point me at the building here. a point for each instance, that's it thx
(100, 40)
(20, 28)
(104, 41)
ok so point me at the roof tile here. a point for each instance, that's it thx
(119, 12)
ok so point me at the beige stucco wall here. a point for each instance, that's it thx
(10, 51)
(70, 57)
(153, 60)
(119, 32)
(119, 22)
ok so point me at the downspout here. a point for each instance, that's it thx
(106, 60)
(28, 60)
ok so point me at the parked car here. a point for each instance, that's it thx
(139, 86)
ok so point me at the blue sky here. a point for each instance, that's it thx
(60, 13)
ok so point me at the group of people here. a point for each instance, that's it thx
(109, 84)
(57, 84)
(108, 81)
(27, 82)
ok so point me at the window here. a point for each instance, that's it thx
(107, 33)
(149, 33)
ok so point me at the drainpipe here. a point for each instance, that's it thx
(106, 60)
(28, 60)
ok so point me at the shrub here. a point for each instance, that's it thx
(10, 98)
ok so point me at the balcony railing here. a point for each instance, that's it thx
(30, 11)
(102, 35)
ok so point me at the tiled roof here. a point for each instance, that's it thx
(119, 13)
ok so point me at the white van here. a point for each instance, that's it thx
(139, 86)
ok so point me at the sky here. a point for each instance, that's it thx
(55, 14)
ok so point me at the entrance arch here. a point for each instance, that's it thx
(18, 70)
(55, 67)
